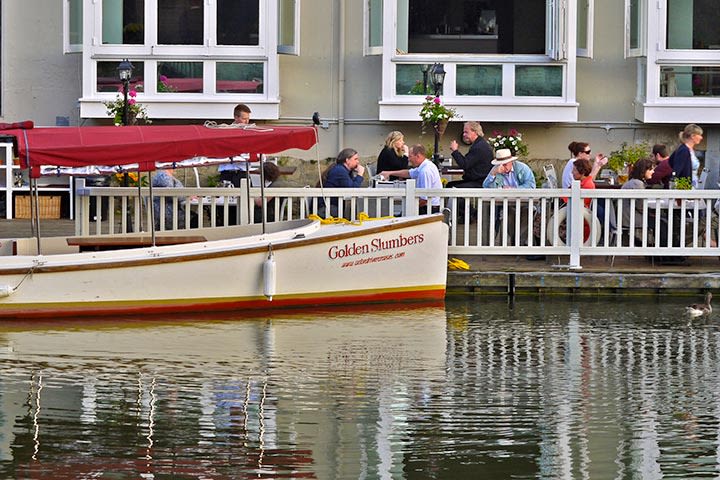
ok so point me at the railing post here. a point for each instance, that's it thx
(243, 202)
(411, 207)
(575, 223)
(82, 207)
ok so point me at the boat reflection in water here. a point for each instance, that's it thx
(553, 390)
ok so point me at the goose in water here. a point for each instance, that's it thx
(698, 309)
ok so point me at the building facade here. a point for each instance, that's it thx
(557, 70)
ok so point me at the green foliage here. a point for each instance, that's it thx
(683, 183)
(627, 155)
(213, 180)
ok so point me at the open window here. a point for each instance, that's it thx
(289, 27)
(585, 14)
(72, 26)
(373, 22)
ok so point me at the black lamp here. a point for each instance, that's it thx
(438, 78)
(437, 73)
(125, 69)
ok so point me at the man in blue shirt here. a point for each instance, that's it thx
(424, 172)
(347, 172)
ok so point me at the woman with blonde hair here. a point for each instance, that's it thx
(394, 155)
(683, 160)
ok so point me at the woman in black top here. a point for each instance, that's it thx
(394, 156)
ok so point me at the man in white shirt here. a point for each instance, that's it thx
(424, 172)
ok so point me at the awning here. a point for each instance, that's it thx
(146, 145)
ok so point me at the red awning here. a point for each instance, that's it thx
(145, 145)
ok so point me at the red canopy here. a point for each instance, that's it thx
(145, 145)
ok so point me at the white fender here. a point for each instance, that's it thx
(269, 276)
(6, 291)
(588, 218)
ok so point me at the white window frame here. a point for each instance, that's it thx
(293, 49)
(209, 103)
(560, 30)
(367, 48)
(587, 52)
(641, 49)
(67, 15)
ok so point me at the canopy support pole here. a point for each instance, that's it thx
(35, 211)
(140, 202)
(152, 209)
(263, 204)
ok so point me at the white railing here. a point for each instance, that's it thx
(483, 221)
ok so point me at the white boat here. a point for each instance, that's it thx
(292, 264)
(296, 263)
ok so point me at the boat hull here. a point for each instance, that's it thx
(379, 261)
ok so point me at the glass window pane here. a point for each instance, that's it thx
(239, 77)
(108, 80)
(238, 22)
(475, 26)
(180, 22)
(692, 24)
(180, 77)
(634, 24)
(123, 22)
(409, 80)
(75, 34)
(689, 81)
(479, 80)
(582, 24)
(538, 81)
(286, 31)
(375, 8)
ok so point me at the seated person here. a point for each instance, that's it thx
(507, 172)
(394, 155)
(477, 162)
(347, 172)
(424, 172)
(165, 179)
(581, 171)
(271, 173)
(581, 150)
(663, 170)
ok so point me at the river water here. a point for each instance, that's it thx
(478, 388)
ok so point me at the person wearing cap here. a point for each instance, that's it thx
(507, 172)
(424, 172)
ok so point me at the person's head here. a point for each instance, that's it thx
(691, 133)
(241, 114)
(643, 169)
(660, 152)
(396, 141)
(271, 172)
(471, 132)
(348, 157)
(579, 148)
(416, 155)
(504, 160)
(581, 168)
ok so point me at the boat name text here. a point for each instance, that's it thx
(375, 245)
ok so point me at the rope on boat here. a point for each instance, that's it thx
(362, 217)
(457, 264)
(7, 290)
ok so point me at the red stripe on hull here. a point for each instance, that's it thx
(436, 294)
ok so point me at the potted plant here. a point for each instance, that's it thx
(622, 160)
(511, 140)
(135, 111)
(434, 113)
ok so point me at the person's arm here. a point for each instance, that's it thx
(525, 176)
(395, 173)
(683, 164)
(600, 161)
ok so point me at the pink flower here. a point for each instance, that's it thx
(513, 132)
(163, 78)
(437, 100)
(132, 101)
(132, 93)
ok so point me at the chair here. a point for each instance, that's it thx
(551, 180)
(703, 179)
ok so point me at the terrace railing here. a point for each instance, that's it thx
(482, 221)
